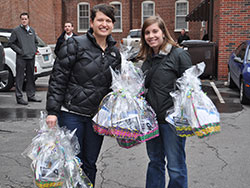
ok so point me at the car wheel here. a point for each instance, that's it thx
(6, 85)
(243, 98)
(230, 81)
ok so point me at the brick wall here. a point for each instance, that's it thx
(231, 20)
(42, 16)
(166, 9)
(234, 27)
(47, 17)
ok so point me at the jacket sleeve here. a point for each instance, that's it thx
(13, 41)
(117, 65)
(57, 48)
(184, 62)
(60, 76)
(58, 45)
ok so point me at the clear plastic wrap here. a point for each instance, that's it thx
(124, 113)
(192, 107)
(54, 162)
(177, 117)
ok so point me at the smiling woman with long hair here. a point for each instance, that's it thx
(164, 62)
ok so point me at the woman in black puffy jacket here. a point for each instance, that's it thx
(80, 79)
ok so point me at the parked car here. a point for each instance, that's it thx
(133, 38)
(239, 71)
(3, 73)
(44, 60)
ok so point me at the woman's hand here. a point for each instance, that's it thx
(51, 121)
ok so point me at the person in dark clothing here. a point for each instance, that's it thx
(164, 62)
(205, 37)
(67, 33)
(81, 77)
(24, 42)
(183, 37)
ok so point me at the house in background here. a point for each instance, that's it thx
(226, 21)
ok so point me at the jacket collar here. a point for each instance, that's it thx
(167, 50)
(162, 53)
(110, 40)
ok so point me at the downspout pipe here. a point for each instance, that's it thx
(131, 14)
(210, 24)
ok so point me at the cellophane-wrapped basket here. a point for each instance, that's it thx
(193, 110)
(124, 113)
(54, 162)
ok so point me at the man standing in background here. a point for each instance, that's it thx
(183, 37)
(24, 42)
(67, 33)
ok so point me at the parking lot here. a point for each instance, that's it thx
(221, 160)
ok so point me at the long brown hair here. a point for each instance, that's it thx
(145, 49)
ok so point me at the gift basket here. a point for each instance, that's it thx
(124, 113)
(54, 162)
(194, 112)
(177, 117)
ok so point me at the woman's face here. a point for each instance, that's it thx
(154, 37)
(102, 25)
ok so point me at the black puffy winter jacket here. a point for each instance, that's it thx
(162, 71)
(81, 75)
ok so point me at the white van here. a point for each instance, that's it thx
(44, 61)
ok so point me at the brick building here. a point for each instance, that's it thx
(229, 26)
(45, 16)
(227, 21)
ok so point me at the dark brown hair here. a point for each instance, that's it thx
(24, 14)
(69, 23)
(106, 9)
(145, 49)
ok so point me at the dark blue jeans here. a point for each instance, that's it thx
(90, 142)
(167, 145)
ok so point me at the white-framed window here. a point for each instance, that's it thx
(148, 9)
(118, 16)
(83, 16)
(181, 11)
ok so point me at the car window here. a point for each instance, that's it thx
(240, 51)
(243, 51)
(135, 34)
(248, 56)
(4, 40)
(41, 43)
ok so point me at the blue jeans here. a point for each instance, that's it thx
(171, 146)
(90, 142)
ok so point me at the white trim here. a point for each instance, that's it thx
(217, 92)
(181, 1)
(117, 31)
(146, 2)
(118, 3)
(78, 18)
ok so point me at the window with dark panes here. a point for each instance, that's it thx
(148, 9)
(181, 11)
(118, 15)
(83, 17)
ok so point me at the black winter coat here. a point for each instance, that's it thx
(60, 41)
(162, 71)
(81, 75)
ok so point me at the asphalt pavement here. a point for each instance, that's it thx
(218, 161)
